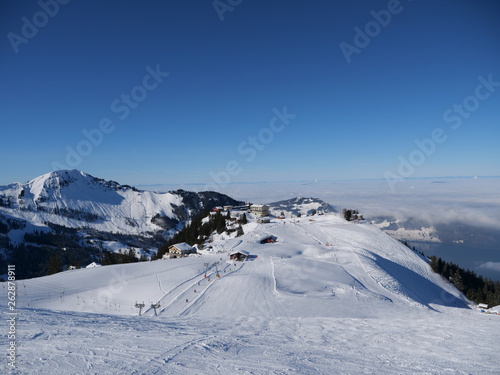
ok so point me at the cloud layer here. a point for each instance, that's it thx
(471, 201)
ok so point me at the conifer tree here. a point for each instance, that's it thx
(239, 231)
(55, 265)
(244, 219)
(457, 280)
(347, 215)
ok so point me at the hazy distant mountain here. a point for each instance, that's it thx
(421, 230)
(300, 205)
(409, 230)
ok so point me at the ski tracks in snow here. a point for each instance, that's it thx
(180, 299)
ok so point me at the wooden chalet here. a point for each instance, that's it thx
(240, 255)
(268, 239)
(181, 250)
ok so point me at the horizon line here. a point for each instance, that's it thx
(314, 181)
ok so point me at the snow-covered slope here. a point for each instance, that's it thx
(75, 199)
(328, 297)
(321, 267)
(395, 343)
(300, 205)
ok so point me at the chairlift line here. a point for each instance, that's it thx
(155, 306)
(216, 269)
(206, 268)
(140, 306)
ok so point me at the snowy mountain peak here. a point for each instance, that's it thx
(63, 189)
(49, 185)
(71, 182)
(77, 200)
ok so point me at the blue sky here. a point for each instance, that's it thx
(231, 70)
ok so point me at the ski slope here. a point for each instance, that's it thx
(328, 297)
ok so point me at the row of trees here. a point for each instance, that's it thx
(57, 262)
(351, 215)
(119, 258)
(476, 288)
(57, 239)
(40, 260)
(44, 253)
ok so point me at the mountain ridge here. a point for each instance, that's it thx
(72, 212)
(73, 198)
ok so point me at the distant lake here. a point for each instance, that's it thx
(466, 257)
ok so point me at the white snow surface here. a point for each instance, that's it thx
(329, 297)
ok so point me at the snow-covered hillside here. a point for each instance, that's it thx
(340, 266)
(75, 199)
(327, 297)
(300, 206)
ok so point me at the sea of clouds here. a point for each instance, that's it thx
(471, 201)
